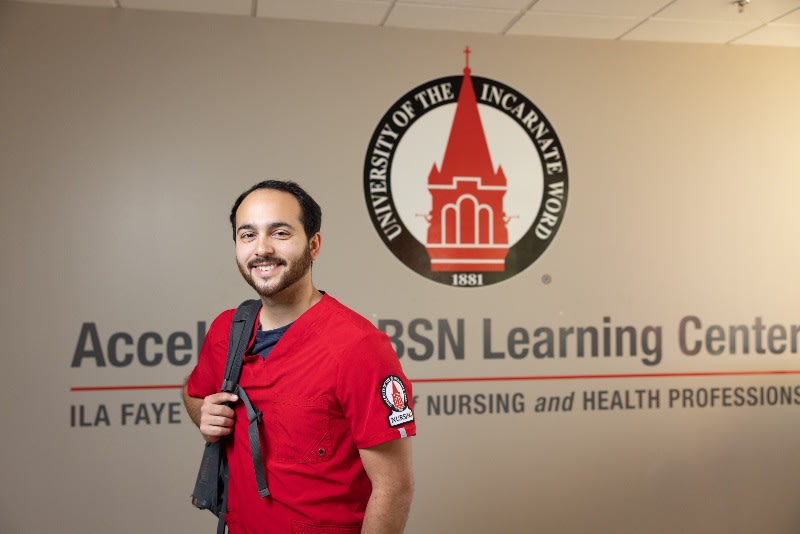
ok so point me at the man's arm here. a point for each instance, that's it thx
(212, 414)
(388, 467)
(192, 405)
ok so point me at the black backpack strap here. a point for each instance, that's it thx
(254, 418)
(244, 321)
(226, 476)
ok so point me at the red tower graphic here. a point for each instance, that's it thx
(397, 398)
(467, 225)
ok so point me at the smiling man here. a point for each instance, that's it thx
(335, 401)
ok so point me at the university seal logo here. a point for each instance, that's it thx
(465, 180)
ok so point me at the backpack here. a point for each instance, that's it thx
(211, 487)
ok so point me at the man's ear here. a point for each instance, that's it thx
(314, 245)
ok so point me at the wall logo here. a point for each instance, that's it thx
(465, 180)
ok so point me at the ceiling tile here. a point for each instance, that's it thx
(343, 11)
(687, 31)
(773, 35)
(219, 7)
(516, 5)
(584, 27)
(792, 17)
(90, 3)
(757, 11)
(450, 18)
(620, 8)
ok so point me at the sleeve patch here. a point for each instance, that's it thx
(394, 395)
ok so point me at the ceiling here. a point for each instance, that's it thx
(754, 22)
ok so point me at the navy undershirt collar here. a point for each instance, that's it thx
(267, 339)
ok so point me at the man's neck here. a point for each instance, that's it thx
(280, 310)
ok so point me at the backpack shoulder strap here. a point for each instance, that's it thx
(244, 320)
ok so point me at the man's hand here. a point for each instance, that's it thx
(212, 414)
(216, 417)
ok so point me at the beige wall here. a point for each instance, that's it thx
(126, 135)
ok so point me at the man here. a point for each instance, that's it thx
(335, 401)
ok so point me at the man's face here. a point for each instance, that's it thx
(272, 250)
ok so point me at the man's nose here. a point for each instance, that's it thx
(264, 246)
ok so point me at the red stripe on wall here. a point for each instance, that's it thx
(76, 389)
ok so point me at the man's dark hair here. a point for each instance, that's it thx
(310, 212)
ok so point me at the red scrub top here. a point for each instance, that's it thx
(331, 386)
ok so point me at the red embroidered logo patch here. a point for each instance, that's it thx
(395, 397)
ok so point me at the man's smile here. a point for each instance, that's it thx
(263, 266)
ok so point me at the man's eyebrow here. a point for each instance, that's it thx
(279, 224)
(271, 226)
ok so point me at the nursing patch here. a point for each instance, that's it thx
(394, 396)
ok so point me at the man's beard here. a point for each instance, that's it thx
(297, 270)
